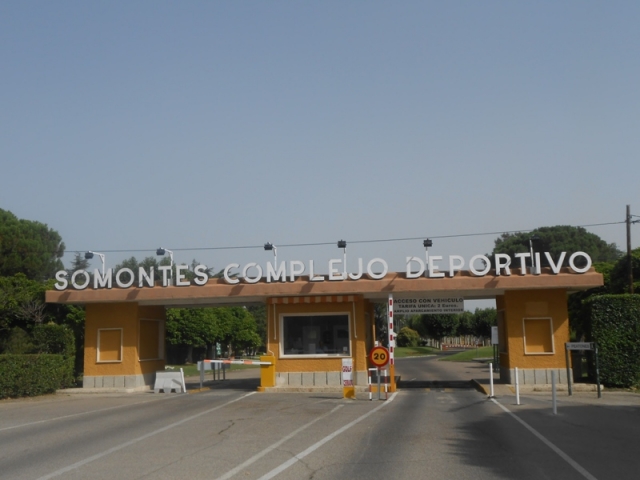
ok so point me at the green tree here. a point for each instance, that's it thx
(193, 327)
(483, 320)
(380, 316)
(438, 326)
(79, 262)
(407, 337)
(239, 331)
(28, 247)
(466, 323)
(561, 238)
(259, 313)
(21, 303)
(619, 273)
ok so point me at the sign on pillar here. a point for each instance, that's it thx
(348, 388)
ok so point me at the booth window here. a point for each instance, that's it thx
(109, 345)
(538, 336)
(150, 340)
(316, 335)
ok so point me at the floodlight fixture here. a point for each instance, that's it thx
(343, 245)
(270, 246)
(89, 255)
(160, 252)
(427, 243)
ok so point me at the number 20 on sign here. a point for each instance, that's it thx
(379, 356)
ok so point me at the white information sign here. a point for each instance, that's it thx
(494, 336)
(347, 372)
(411, 305)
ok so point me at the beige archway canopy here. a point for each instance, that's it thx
(217, 292)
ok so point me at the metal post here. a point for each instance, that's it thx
(386, 383)
(201, 373)
(517, 387)
(553, 392)
(532, 258)
(630, 270)
(379, 392)
(566, 355)
(595, 346)
(491, 379)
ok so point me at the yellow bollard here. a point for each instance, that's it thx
(267, 373)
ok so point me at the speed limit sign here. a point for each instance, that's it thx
(379, 356)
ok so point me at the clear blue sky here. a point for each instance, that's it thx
(134, 125)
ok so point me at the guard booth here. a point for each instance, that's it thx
(314, 322)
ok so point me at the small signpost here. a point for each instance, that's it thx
(379, 357)
(581, 346)
(495, 343)
(348, 388)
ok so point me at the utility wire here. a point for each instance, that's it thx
(317, 244)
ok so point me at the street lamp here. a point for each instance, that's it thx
(160, 252)
(89, 255)
(270, 246)
(427, 243)
(343, 245)
(531, 240)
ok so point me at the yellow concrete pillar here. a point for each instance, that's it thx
(535, 327)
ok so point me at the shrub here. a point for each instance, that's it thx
(407, 337)
(52, 338)
(19, 342)
(615, 325)
(31, 375)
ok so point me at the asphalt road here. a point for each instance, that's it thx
(447, 430)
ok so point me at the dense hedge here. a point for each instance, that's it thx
(615, 325)
(52, 338)
(31, 375)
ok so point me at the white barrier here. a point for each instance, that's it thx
(167, 381)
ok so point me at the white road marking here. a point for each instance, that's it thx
(318, 444)
(136, 440)
(560, 453)
(81, 413)
(270, 448)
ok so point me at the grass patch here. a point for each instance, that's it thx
(401, 352)
(469, 355)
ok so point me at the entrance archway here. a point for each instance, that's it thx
(124, 327)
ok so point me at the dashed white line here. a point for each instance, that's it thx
(270, 448)
(136, 440)
(318, 444)
(81, 413)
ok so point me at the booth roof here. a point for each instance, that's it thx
(217, 292)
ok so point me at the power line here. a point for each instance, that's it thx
(318, 244)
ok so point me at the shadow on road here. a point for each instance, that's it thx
(436, 384)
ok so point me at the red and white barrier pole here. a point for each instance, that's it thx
(392, 340)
